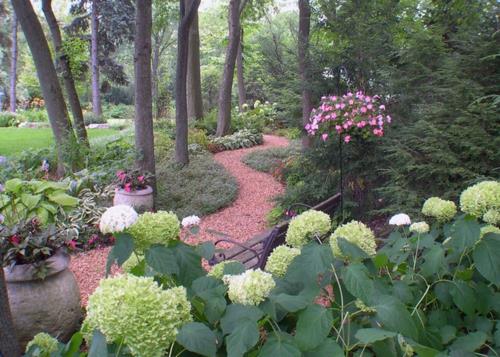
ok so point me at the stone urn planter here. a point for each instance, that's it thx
(51, 305)
(140, 200)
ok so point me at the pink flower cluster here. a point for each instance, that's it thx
(348, 114)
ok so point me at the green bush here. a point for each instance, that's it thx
(118, 111)
(208, 123)
(267, 160)
(199, 137)
(8, 119)
(256, 117)
(91, 118)
(34, 115)
(199, 189)
(241, 139)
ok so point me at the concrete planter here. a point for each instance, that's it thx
(51, 305)
(141, 200)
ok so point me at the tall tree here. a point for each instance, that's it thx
(94, 59)
(13, 65)
(49, 83)
(144, 138)
(8, 341)
(63, 66)
(187, 15)
(303, 52)
(242, 93)
(224, 101)
(194, 98)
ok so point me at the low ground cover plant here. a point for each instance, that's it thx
(241, 139)
(431, 289)
(268, 160)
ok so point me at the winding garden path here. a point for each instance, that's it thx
(244, 218)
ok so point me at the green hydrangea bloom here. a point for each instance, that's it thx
(488, 229)
(478, 199)
(155, 228)
(280, 258)
(45, 342)
(492, 217)
(419, 227)
(217, 271)
(356, 233)
(440, 209)
(250, 288)
(306, 225)
(137, 311)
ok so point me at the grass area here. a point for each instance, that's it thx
(266, 160)
(15, 140)
(201, 188)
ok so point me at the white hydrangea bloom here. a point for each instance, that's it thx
(280, 258)
(400, 219)
(419, 227)
(117, 218)
(190, 221)
(250, 288)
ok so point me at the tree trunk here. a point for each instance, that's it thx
(13, 66)
(155, 65)
(194, 98)
(224, 116)
(94, 60)
(303, 52)
(8, 341)
(144, 137)
(64, 69)
(242, 93)
(49, 83)
(187, 15)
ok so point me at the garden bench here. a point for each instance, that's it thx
(254, 252)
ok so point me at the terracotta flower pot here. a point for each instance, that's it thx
(140, 200)
(51, 305)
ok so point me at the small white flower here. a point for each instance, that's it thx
(117, 218)
(190, 221)
(400, 219)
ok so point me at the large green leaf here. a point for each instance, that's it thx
(463, 296)
(99, 347)
(30, 201)
(465, 232)
(13, 185)
(235, 313)
(393, 316)
(313, 260)
(63, 199)
(328, 348)
(162, 259)
(212, 292)
(198, 338)
(121, 251)
(290, 303)
(370, 335)
(279, 346)
(242, 338)
(434, 261)
(313, 326)
(357, 282)
(487, 257)
(189, 262)
(351, 250)
(470, 342)
(206, 250)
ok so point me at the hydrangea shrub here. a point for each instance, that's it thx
(419, 227)
(45, 343)
(482, 199)
(441, 210)
(280, 258)
(117, 218)
(155, 228)
(250, 288)
(137, 311)
(357, 233)
(306, 225)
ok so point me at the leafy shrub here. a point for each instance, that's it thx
(208, 123)
(118, 111)
(290, 133)
(8, 119)
(91, 118)
(165, 127)
(34, 115)
(267, 160)
(241, 139)
(46, 200)
(257, 117)
(199, 137)
(200, 188)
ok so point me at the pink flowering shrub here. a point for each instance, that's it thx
(348, 115)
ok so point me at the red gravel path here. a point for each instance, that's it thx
(244, 218)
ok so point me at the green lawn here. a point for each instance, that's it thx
(15, 140)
